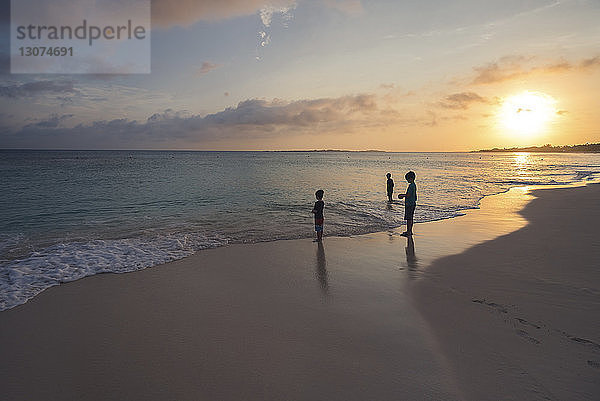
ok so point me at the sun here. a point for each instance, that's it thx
(528, 112)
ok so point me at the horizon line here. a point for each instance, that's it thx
(514, 148)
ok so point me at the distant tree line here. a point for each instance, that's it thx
(584, 148)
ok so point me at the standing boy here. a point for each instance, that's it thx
(318, 212)
(410, 203)
(390, 187)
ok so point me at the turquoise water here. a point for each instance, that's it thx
(69, 214)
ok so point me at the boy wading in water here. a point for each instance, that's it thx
(390, 187)
(410, 203)
(318, 212)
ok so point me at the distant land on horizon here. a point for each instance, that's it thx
(334, 151)
(548, 148)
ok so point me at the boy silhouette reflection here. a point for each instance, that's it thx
(411, 258)
(321, 268)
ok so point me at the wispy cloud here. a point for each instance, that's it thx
(167, 13)
(461, 100)
(37, 88)
(515, 67)
(593, 62)
(206, 67)
(266, 14)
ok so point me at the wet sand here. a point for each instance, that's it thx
(367, 317)
(270, 321)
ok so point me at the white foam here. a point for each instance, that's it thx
(22, 279)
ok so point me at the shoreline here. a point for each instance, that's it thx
(282, 319)
(396, 204)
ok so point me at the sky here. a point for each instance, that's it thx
(426, 75)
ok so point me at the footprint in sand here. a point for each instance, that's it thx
(527, 323)
(526, 335)
(498, 307)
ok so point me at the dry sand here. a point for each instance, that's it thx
(362, 318)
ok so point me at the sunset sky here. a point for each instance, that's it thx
(311, 74)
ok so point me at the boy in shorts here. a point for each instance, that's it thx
(410, 203)
(390, 187)
(318, 212)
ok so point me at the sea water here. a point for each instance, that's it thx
(65, 215)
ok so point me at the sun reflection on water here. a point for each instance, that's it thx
(522, 160)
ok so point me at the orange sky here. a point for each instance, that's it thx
(240, 75)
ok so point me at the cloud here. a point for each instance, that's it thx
(37, 88)
(168, 13)
(266, 13)
(207, 67)
(168, 114)
(266, 16)
(496, 72)
(297, 113)
(250, 119)
(264, 38)
(461, 100)
(514, 67)
(53, 121)
(590, 63)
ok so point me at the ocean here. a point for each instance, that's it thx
(65, 215)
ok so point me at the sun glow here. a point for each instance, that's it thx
(528, 112)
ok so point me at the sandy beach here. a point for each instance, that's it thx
(168, 169)
(518, 316)
(494, 305)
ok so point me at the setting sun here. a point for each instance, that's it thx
(527, 112)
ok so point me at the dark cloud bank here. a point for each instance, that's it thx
(250, 119)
